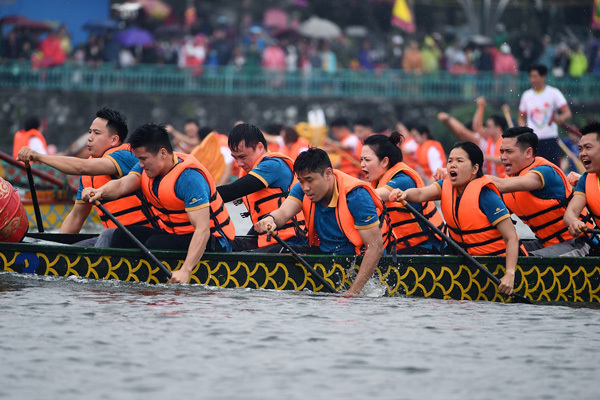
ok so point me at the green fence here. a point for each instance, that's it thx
(230, 81)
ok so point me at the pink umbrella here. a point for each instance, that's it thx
(275, 18)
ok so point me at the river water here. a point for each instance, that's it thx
(73, 338)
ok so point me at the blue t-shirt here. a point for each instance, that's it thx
(580, 188)
(553, 188)
(273, 173)
(192, 189)
(124, 160)
(490, 203)
(332, 239)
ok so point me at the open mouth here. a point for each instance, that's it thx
(452, 174)
(586, 162)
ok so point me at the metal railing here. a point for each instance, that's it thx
(231, 81)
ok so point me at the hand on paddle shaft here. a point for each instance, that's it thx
(504, 286)
(34, 199)
(326, 285)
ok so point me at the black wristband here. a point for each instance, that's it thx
(269, 215)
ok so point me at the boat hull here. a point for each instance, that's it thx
(54, 213)
(444, 277)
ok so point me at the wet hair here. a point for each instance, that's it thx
(249, 134)
(312, 160)
(499, 121)
(474, 153)
(152, 137)
(204, 132)
(31, 123)
(384, 146)
(117, 122)
(290, 135)
(592, 127)
(273, 128)
(525, 137)
(339, 123)
(363, 121)
(540, 68)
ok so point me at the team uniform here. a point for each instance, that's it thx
(31, 138)
(472, 217)
(430, 157)
(335, 228)
(411, 235)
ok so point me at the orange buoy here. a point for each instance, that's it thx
(13, 218)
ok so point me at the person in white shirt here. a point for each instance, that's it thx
(543, 107)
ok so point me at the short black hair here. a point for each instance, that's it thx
(31, 122)
(540, 68)
(151, 136)
(204, 132)
(117, 122)
(363, 121)
(592, 127)
(273, 128)
(339, 123)
(312, 160)
(191, 121)
(525, 137)
(423, 130)
(499, 121)
(249, 134)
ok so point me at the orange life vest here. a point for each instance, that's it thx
(543, 216)
(410, 159)
(224, 142)
(292, 152)
(170, 210)
(493, 149)
(345, 183)
(268, 200)
(346, 165)
(467, 224)
(22, 138)
(592, 196)
(127, 209)
(405, 226)
(423, 159)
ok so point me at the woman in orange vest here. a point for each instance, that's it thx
(383, 166)
(477, 218)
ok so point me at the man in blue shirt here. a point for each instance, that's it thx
(341, 212)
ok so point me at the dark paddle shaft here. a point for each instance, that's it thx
(593, 231)
(139, 244)
(306, 265)
(34, 200)
(462, 251)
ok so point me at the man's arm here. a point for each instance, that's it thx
(526, 183)
(71, 165)
(372, 239)
(290, 207)
(76, 218)
(240, 188)
(571, 217)
(114, 189)
(478, 116)
(458, 128)
(522, 120)
(564, 116)
(200, 219)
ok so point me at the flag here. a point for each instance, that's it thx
(596, 15)
(190, 13)
(402, 16)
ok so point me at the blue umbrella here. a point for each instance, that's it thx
(134, 37)
(101, 25)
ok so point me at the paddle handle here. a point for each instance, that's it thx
(43, 175)
(34, 199)
(306, 265)
(130, 235)
(456, 246)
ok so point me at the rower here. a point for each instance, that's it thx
(587, 192)
(109, 158)
(264, 182)
(181, 194)
(430, 153)
(473, 210)
(382, 165)
(342, 213)
(537, 191)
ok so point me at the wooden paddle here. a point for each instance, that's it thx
(431, 225)
(139, 244)
(34, 199)
(302, 261)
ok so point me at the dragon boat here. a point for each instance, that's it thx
(545, 280)
(54, 210)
